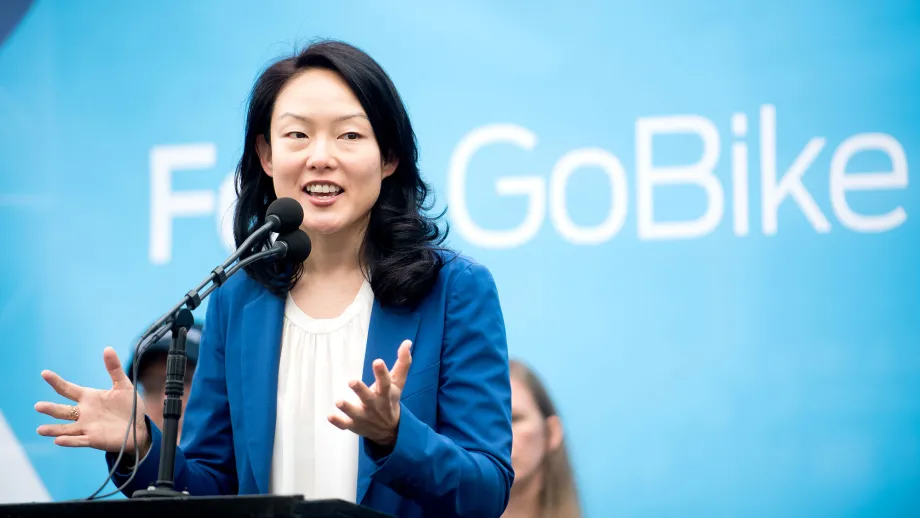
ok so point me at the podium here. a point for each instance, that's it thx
(256, 506)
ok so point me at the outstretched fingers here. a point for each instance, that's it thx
(60, 430)
(73, 441)
(403, 361)
(55, 410)
(116, 372)
(62, 386)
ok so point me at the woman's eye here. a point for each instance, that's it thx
(351, 135)
(297, 134)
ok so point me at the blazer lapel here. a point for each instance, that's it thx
(388, 328)
(261, 351)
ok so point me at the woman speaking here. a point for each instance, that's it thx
(376, 371)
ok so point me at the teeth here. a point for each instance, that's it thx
(323, 189)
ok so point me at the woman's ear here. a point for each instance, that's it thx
(554, 433)
(389, 166)
(264, 150)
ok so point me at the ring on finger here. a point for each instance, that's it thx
(74, 414)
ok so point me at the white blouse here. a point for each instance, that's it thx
(319, 357)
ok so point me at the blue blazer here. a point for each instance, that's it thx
(453, 450)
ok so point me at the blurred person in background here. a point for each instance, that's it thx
(544, 484)
(151, 373)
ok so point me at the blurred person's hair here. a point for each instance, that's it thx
(559, 494)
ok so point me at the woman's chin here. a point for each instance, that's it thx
(321, 228)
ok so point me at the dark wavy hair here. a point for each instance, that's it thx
(400, 252)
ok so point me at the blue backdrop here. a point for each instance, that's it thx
(699, 217)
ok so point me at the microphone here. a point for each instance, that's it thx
(284, 215)
(298, 246)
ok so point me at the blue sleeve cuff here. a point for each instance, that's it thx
(147, 472)
(408, 453)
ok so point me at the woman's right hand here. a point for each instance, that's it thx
(100, 417)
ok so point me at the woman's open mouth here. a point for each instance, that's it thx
(323, 193)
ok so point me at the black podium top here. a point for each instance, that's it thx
(207, 507)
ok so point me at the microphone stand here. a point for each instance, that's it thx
(172, 409)
(283, 215)
(180, 322)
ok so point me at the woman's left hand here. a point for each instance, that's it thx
(376, 417)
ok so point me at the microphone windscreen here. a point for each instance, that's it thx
(299, 245)
(288, 211)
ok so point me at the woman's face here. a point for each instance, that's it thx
(530, 431)
(323, 152)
